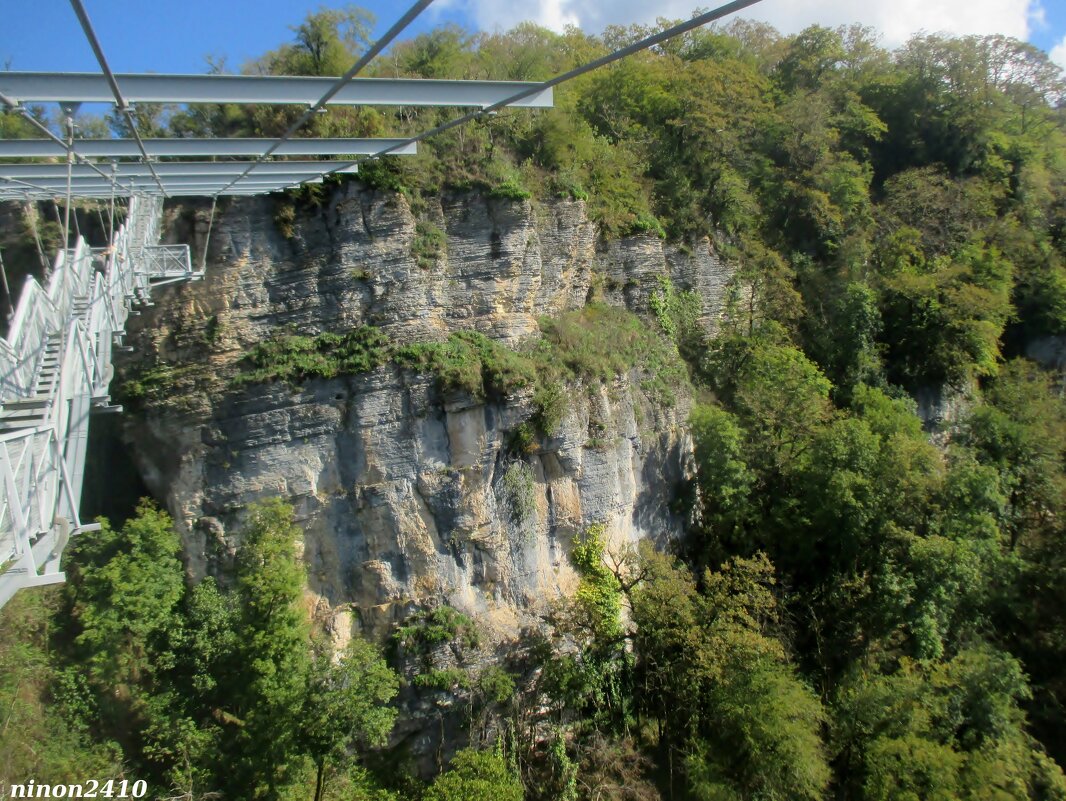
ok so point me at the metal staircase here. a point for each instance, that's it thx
(55, 369)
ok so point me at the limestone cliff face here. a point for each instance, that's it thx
(1048, 351)
(403, 490)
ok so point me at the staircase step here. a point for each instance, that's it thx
(7, 426)
(32, 402)
(8, 413)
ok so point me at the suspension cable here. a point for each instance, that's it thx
(111, 207)
(340, 83)
(100, 217)
(35, 208)
(70, 169)
(207, 239)
(7, 288)
(120, 103)
(59, 218)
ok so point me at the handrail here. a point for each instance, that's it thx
(36, 315)
(22, 311)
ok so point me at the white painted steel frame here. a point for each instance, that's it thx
(55, 366)
(147, 182)
(86, 87)
(191, 148)
(174, 168)
(20, 181)
(99, 192)
(179, 191)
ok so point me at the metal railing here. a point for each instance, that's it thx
(55, 367)
(167, 263)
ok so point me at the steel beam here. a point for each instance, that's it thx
(189, 191)
(30, 172)
(185, 189)
(137, 180)
(100, 192)
(186, 148)
(85, 87)
(205, 190)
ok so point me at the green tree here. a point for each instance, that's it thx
(267, 692)
(725, 481)
(943, 323)
(345, 705)
(125, 587)
(778, 395)
(1019, 431)
(811, 58)
(476, 776)
(327, 42)
(721, 685)
(184, 743)
(46, 718)
(949, 730)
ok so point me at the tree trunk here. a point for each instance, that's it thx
(318, 780)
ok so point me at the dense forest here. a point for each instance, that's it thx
(862, 608)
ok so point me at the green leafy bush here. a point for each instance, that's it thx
(296, 358)
(471, 362)
(599, 343)
(510, 189)
(519, 489)
(386, 173)
(160, 384)
(285, 216)
(476, 776)
(496, 685)
(429, 245)
(447, 680)
(645, 223)
(678, 314)
(426, 630)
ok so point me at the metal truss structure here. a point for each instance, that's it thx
(55, 368)
(55, 364)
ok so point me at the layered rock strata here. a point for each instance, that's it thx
(403, 489)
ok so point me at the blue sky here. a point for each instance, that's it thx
(176, 35)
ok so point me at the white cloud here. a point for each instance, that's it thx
(1058, 53)
(896, 20)
(490, 15)
(1038, 17)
